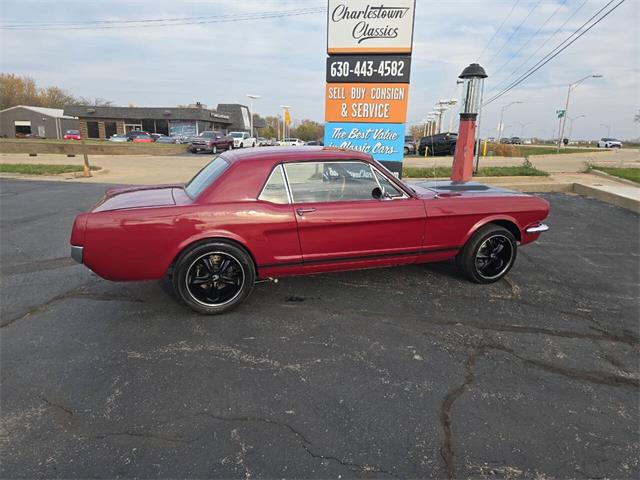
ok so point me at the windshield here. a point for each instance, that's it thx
(236, 134)
(73, 132)
(205, 177)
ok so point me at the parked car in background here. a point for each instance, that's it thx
(314, 143)
(72, 135)
(118, 138)
(291, 142)
(146, 138)
(515, 141)
(242, 140)
(136, 133)
(254, 215)
(440, 144)
(409, 145)
(527, 141)
(164, 139)
(212, 142)
(491, 140)
(265, 142)
(505, 141)
(609, 143)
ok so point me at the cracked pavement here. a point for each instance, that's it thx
(402, 372)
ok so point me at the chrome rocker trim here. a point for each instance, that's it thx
(542, 227)
(77, 253)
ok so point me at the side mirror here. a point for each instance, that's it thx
(377, 193)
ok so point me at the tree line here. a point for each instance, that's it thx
(23, 90)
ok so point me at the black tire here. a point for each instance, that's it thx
(213, 277)
(452, 150)
(488, 255)
(193, 150)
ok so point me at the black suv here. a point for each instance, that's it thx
(440, 144)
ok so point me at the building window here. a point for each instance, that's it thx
(110, 129)
(93, 131)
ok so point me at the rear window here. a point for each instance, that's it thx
(206, 177)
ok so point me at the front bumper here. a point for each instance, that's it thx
(539, 228)
(77, 253)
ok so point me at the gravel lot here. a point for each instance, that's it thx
(405, 372)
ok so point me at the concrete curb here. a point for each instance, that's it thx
(607, 197)
(599, 173)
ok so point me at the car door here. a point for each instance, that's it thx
(338, 218)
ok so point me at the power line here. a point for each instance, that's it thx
(548, 39)
(544, 61)
(162, 22)
(499, 28)
(506, 42)
(531, 37)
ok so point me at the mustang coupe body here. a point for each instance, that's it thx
(266, 213)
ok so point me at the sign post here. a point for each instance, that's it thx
(369, 45)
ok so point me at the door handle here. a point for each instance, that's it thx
(302, 211)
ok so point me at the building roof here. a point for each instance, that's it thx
(156, 113)
(50, 112)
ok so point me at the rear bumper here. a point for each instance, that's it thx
(539, 228)
(77, 253)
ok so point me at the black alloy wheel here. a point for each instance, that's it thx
(213, 277)
(488, 255)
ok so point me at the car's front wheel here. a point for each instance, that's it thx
(213, 277)
(488, 255)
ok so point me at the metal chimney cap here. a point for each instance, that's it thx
(474, 70)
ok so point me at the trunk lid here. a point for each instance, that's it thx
(139, 197)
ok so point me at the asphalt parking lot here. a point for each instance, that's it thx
(407, 372)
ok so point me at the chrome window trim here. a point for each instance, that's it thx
(404, 194)
(286, 186)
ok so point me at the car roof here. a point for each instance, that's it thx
(295, 154)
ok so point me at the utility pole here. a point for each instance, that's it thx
(563, 120)
(608, 126)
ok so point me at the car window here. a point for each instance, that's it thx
(330, 181)
(275, 190)
(389, 189)
(206, 177)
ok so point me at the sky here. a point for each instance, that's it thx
(283, 59)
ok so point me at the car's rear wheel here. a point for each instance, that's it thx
(213, 277)
(488, 255)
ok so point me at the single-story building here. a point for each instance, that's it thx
(23, 120)
(103, 122)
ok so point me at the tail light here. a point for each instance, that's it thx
(79, 229)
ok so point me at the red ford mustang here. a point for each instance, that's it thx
(264, 213)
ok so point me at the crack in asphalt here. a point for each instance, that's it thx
(57, 406)
(304, 442)
(447, 451)
(77, 292)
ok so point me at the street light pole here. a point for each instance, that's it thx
(571, 120)
(251, 99)
(608, 128)
(522, 125)
(566, 107)
(501, 124)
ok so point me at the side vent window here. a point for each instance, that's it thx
(275, 190)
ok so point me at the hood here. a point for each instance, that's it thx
(447, 188)
(139, 197)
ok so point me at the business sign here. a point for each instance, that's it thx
(370, 26)
(385, 141)
(368, 68)
(370, 102)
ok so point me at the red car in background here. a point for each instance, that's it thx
(72, 135)
(265, 213)
(144, 138)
